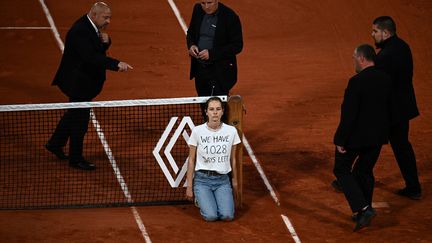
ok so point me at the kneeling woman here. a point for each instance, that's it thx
(211, 159)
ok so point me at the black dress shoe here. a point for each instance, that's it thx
(409, 194)
(355, 216)
(57, 151)
(335, 184)
(364, 219)
(82, 165)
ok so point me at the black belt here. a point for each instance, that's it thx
(210, 172)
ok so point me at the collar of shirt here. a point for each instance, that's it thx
(94, 26)
(216, 13)
(385, 42)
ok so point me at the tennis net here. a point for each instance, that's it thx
(138, 146)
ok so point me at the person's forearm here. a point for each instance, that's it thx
(234, 162)
(191, 166)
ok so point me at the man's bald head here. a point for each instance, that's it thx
(100, 14)
(99, 7)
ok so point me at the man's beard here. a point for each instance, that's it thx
(379, 45)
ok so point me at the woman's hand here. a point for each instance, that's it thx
(189, 193)
(235, 188)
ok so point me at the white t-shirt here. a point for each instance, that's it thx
(214, 147)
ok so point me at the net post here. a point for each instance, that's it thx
(235, 118)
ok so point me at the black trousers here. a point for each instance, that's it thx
(73, 126)
(207, 82)
(404, 155)
(357, 182)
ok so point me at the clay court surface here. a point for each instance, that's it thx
(292, 74)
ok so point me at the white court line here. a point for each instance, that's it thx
(111, 158)
(260, 170)
(178, 15)
(245, 143)
(24, 28)
(380, 205)
(120, 178)
(99, 131)
(291, 228)
(53, 27)
(269, 187)
(140, 224)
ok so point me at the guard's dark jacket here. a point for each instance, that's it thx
(228, 42)
(81, 73)
(365, 111)
(395, 59)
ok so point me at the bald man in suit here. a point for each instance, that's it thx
(80, 77)
(363, 128)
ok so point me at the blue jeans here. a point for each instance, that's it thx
(214, 196)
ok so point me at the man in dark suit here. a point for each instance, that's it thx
(395, 59)
(214, 38)
(81, 76)
(363, 129)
